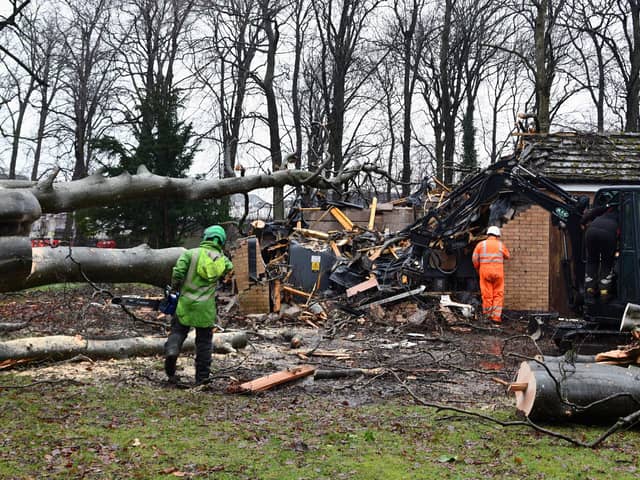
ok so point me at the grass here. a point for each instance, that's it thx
(117, 431)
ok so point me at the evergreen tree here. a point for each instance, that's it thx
(165, 146)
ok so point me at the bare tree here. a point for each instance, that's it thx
(10, 22)
(625, 49)
(89, 78)
(478, 22)
(442, 81)
(386, 79)
(50, 53)
(301, 11)
(541, 35)
(411, 43)
(270, 25)
(589, 24)
(17, 95)
(224, 65)
(504, 95)
(340, 26)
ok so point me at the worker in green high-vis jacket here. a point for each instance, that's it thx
(196, 275)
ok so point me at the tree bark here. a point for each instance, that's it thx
(582, 392)
(543, 77)
(98, 190)
(22, 266)
(60, 347)
(103, 265)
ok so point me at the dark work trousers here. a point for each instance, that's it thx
(600, 241)
(177, 337)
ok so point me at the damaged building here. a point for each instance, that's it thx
(377, 253)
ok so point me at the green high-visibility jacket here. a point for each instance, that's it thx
(197, 271)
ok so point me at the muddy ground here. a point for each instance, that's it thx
(441, 355)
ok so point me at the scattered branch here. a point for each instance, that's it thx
(621, 424)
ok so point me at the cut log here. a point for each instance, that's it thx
(15, 262)
(559, 391)
(59, 347)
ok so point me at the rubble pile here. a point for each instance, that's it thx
(338, 257)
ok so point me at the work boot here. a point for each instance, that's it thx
(590, 287)
(606, 287)
(202, 380)
(170, 365)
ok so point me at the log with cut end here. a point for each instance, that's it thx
(556, 391)
(60, 347)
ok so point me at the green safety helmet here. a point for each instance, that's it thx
(215, 231)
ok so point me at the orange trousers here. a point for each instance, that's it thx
(492, 290)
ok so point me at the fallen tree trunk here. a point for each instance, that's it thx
(12, 327)
(46, 265)
(346, 373)
(99, 190)
(581, 392)
(60, 347)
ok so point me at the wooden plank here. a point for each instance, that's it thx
(342, 219)
(372, 213)
(312, 233)
(295, 291)
(269, 381)
(276, 295)
(335, 248)
(361, 287)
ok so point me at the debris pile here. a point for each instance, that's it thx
(357, 258)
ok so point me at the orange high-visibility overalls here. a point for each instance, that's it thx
(488, 258)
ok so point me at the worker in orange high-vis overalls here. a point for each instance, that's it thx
(488, 258)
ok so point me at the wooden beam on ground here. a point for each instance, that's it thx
(265, 383)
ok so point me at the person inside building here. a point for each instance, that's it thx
(195, 276)
(601, 243)
(488, 258)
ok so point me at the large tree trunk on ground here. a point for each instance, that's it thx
(558, 391)
(60, 347)
(45, 265)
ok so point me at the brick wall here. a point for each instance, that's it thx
(252, 297)
(527, 272)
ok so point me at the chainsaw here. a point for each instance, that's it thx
(166, 304)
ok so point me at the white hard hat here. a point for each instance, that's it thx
(493, 230)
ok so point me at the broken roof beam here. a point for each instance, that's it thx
(372, 213)
(312, 233)
(341, 218)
